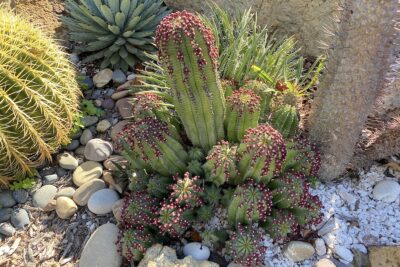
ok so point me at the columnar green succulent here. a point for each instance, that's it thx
(288, 190)
(158, 186)
(186, 191)
(309, 213)
(118, 31)
(261, 153)
(134, 243)
(39, 97)
(250, 203)
(245, 246)
(155, 146)
(286, 120)
(205, 213)
(243, 109)
(280, 224)
(187, 51)
(221, 164)
(212, 195)
(265, 92)
(139, 209)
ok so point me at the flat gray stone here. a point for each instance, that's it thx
(102, 201)
(102, 78)
(98, 150)
(51, 178)
(118, 77)
(44, 195)
(21, 195)
(89, 120)
(6, 199)
(5, 214)
(298, 251)
(20, 218)
(7, 229)
(103, 126)
(86, 137)
(101, 249)
(73, 145)
(85, 191)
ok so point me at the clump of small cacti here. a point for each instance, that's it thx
(39, 97)
(188, 53)
(155, 145)
(289, 190)
(280, 224)
(245, 246)
(262, 153)
(250, 203)
(220, 166)
(119, 32)
(134, 242)
(158, 186)
(139, 209)
(255, 181)
(243, 109)
(286, 120)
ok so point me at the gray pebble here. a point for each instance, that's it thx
(61, 172)
(21, 196)
(20, 218)
(7, 229)
(86, 137)
(6, 199)
(5, 214)
(89, 120)
(118, 76)
(73, 145)
(51, 178)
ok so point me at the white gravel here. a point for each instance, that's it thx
(363, 221)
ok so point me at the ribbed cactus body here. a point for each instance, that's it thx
(289, 190)
(250, 203)
(158, 186)
(39, 97)
(266, 94)
(261, 153)
(155, 146)
(134, 243)
(286, 120)
(242, 112)
(187, 51)
(280, 224)
(220, 166)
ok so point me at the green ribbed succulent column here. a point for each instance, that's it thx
(242, 112)
(286, 120)
(188, 53)
(39, 97)
(261, 154)
(155, 146)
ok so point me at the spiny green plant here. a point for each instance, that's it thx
(243, 110)
(158, 186)
(286, 120)
(134, 242)
(280, 224)
(39, 97)
(155, 146)
(262, 153)
(89, 109)
(139, 209)
(266, 93)
(187, 52)
(117, 31)
(289, 190)
(26, 183)
(245, 246)
(250, 203)
(220, 166)
(309, 212)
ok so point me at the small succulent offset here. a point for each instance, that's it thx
(119, 32)
(245, 246)
(134, 242)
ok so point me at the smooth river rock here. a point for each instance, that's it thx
(298, 251)
(102, 201)
(102, 78)
(86, 172)
(44, 195)
(67, 161)
(387, 191)
(101, 250)
(98, 150)
(65, 207)
(83, 193)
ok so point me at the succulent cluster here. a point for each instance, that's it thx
(197, 156)
(118, 32)
(39, 97)
(245, 246)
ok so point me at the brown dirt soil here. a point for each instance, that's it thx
(45, 14)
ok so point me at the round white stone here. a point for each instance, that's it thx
(197, 251)
(344, 253)
(387, 191)
(102, 201)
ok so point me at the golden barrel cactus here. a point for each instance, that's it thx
(39, 97)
